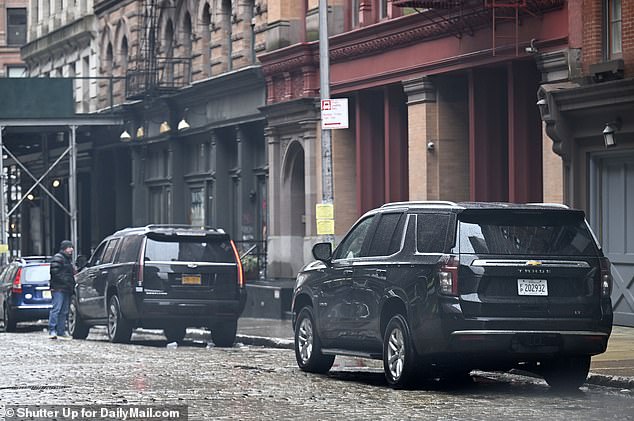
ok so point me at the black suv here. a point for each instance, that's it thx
(166, 277)
(25, 294)
(438, 289)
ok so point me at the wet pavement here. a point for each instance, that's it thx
(253, 382)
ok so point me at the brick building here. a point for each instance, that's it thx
(590, 118)
(13, 33)
(444, 106)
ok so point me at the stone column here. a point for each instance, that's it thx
(423, 136)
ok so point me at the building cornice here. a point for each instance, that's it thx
(79, 32)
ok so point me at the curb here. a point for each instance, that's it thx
(621, 382)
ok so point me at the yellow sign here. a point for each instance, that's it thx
(325, 227)
(325, 211)
(4, 248)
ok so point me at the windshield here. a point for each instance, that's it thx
(189, 250)
(515, 233)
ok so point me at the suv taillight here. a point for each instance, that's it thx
(239, 262)
(16, 288)
(139, 274)
(448, 275)
(606, 278)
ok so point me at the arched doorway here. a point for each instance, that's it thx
(293, 222)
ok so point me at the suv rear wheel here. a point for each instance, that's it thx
(174, 333)
(399, 359)
(224, 333)
(566, 373)
(119, 329)
(78, 329)
(308, 346)
(9, 322)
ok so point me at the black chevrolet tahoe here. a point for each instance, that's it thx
(166, 277)
(436, 289)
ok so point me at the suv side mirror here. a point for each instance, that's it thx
(81, 262)
(322, 251)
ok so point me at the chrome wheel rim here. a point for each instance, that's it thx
(71, 318)
(396, 353)
(305, 340)
(112, 319)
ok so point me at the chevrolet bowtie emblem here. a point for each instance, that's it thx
(533, 263)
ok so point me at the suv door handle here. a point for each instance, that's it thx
(348, 271)
(104, 272)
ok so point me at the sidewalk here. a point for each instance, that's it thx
(614, 368)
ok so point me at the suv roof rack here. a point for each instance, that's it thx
(550, 205)
(435, 203)
(168, 226)
(27, 259)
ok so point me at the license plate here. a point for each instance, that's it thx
(191, 280)
(47, 294)
(532, 287)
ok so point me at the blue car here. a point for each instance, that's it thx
(25, 294)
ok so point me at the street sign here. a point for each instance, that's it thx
(4, 248)
(334, 113)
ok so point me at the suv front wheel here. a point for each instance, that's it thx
(78, 329)
(119, 329)
(308, 346)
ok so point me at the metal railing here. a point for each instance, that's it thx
(170, 74)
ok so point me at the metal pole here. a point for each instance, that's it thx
(327, 195)
(3, 214)
(72, 189)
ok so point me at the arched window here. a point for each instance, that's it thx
(109, 60)
(206, 39)
(124, 55)
(227, 21)
(186, 40)
(168, 39)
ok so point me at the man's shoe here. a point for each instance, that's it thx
(52, 335)
(65, 336)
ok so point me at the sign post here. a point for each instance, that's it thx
(327, 195)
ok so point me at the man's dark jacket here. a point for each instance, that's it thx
(62, 273)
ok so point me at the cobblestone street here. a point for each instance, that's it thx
(247, 382)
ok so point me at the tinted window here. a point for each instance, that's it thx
(96, 256)
(352, 245)
(431, 232)
(548, 233)
(188, 250)
(109, 253)
(41, 273)
(387, 238)
(130, 247)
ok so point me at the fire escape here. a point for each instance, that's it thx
(461, 17)
(151, 74)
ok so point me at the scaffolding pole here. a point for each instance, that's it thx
(72, 188)
(3, 214)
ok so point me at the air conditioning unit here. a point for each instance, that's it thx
(607, 70)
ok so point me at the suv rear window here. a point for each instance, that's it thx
(40, 273)
(516, 233)
(189, 250)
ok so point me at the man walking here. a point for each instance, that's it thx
(62, 284)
